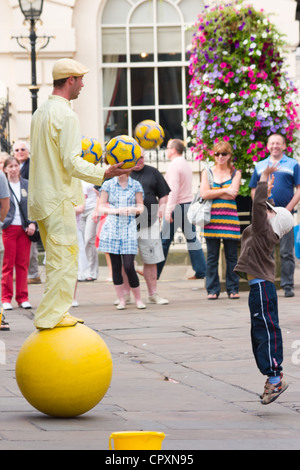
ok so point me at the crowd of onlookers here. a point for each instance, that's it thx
(140, 213)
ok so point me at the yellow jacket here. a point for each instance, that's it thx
(55, 162)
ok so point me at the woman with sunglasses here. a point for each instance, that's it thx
(224, 224)
(15, 234)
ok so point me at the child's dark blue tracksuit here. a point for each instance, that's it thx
(265, 331)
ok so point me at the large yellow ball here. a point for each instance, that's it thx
(64, 372)
(123, 148)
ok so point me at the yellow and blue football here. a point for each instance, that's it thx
(91, 150)
(149, 134)
(123, 148)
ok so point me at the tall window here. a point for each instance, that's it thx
(145, 64)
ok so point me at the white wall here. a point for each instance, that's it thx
(74, 25)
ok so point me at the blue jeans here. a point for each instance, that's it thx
(212, 270)
(266, 334)
(193, 243)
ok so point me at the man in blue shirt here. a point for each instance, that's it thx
(287, 178)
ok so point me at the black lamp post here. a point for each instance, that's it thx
(32, 10)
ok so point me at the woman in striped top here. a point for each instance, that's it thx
(224, 224)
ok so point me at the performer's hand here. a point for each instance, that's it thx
(116, 170)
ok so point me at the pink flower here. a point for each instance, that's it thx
(243, 132)
(200, 156)
(226, 80)
(257, 124)
(226, 138)
(202, 38)
(252, 86)
(262, 154)
(213, 100)
(289, 149)
(230, 74)
(242, 93)
(254, 158)
(223, 65)
(253, 114)
(267, 104)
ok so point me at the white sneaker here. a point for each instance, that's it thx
(141, 305)
(156, 299)
(120, 307)
(7, 306)
(75, 303)
(127, 299)
(25, 304)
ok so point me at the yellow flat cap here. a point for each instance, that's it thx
(64, 68)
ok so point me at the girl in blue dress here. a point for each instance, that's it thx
(121, 199)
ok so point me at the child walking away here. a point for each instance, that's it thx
(257, 264)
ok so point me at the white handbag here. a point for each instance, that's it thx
(199, 212)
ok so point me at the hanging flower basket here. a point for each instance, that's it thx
(239, 90)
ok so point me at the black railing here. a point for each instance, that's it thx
(5, 144)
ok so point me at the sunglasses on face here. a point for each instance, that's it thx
(224, 154)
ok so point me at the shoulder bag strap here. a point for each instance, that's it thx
(20, 207)
(210, 175)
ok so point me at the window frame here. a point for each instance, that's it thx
(155, 65)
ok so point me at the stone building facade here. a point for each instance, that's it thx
(134, 49)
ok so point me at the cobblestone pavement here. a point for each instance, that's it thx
(185, 369)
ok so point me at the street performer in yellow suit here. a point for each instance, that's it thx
(55, 165)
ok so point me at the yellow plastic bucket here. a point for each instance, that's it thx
(136, 440)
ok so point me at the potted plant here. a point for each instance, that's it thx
(240, 91)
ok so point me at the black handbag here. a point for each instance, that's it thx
(36, 236)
